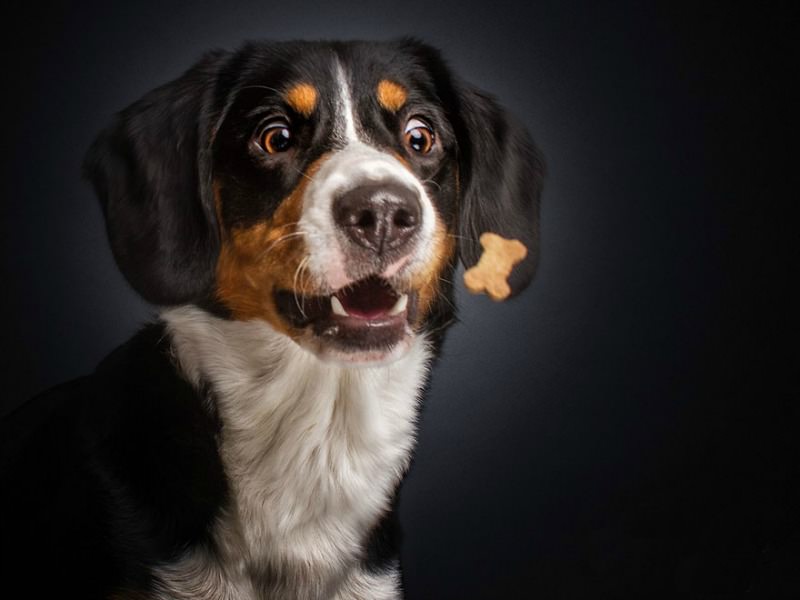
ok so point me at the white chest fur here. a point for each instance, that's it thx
(312, 452)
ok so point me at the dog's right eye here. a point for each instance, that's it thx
(276, 137)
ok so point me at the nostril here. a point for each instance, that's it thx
(366, 220)
(405, 219)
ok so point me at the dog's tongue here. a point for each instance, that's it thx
(367, 299)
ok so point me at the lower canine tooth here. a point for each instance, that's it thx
(338, 309)
(400, 305)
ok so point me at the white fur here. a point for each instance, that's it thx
(362, 585)
(345, 127)
(357, 163)
(312, 451)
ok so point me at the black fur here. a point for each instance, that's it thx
(151, 172)
(109, 475)
(112, 474)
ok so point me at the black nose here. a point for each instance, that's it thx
(378, 216)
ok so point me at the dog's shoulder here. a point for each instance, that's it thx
(110, 467)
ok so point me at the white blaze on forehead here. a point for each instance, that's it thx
(345, 126)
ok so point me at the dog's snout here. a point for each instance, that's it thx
(379, 217)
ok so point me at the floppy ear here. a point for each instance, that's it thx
(151, 171)
(500, 176)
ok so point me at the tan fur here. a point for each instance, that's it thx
(391, 96)
(256, 261)
(427, 283)
(302, 98)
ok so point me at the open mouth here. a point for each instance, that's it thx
(367, 315)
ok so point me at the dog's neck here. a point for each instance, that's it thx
(312, 450)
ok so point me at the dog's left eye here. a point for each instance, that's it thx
(419, 136)
(276, 137)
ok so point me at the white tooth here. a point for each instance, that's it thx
(337, 307)
(400, 305)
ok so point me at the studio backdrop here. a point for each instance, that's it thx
(626, 428)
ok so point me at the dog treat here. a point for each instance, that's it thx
(491, 273)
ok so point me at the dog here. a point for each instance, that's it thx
(297, 211)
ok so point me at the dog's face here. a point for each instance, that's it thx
(335, 189)
(326, 189)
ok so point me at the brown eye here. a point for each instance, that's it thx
(419, 136)
(276, 138)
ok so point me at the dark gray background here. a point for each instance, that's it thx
(624, 429)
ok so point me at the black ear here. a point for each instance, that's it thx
(500, 175)
(151, 171)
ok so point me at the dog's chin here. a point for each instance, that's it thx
(366, 323)
(357, 358)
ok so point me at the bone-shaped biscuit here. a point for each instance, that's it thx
(491, 273)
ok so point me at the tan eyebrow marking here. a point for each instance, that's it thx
(302, 97)
(391, 96)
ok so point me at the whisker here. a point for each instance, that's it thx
(443, 326)
(433, 182)
(283, 238)
(288, 224)
(260, 87)
(304, 174)
(302, 265)
(443, 296)
(303, 272)
(462, 237)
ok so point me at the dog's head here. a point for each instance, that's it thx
(327, 189)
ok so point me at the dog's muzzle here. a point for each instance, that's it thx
(368, 226)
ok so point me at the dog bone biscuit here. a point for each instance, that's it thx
(491, 273)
